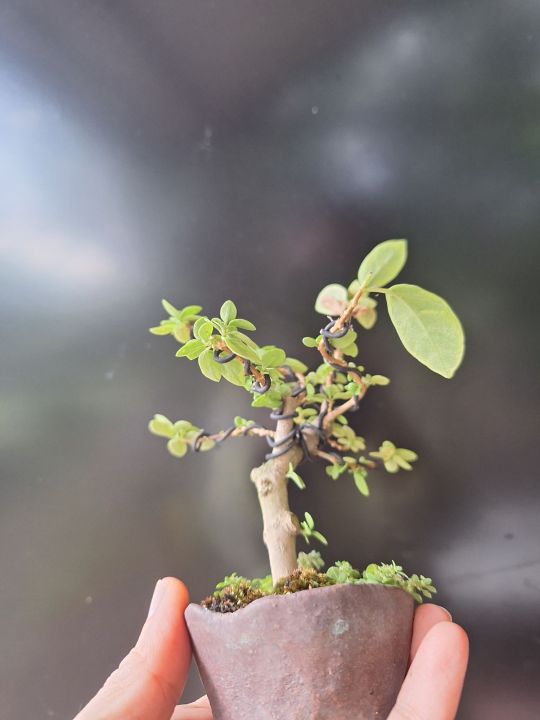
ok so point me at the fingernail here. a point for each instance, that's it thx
(446, 611)
(156, 597)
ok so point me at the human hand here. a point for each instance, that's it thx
(151, 678)
(439, 653)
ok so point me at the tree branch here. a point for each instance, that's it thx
(347, 314)
(344, 407)
(242, 432)
(332, 459)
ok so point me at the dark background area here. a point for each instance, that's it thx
(256, 150)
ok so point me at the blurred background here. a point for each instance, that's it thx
(256, 150)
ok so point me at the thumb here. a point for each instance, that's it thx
(150, 680)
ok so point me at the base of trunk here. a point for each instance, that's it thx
(332, 653)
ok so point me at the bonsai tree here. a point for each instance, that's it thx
(309, 409)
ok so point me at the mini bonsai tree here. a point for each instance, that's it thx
(309, 410)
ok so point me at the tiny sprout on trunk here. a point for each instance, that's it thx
(309, 408)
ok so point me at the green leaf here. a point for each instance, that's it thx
(161, 425)
(200, 321)
(189, 312)
(237, 345)
(366, 313)
(233, 372)
(309, 342)
(269, 399)
(219, 325)
(184, 427)
(296, 365)
(272, 358)
(295, 477)
(310, 561)
(209, 367)
(384, 262)
(344, 341)
(206, 444)
(241, 422)
(332, 300)
(367, 319)
(191, 350)
(177, 447)
(379, 380)
(310, 522)
(360, 482)
(228, 311)
(242, 324)
(428, 328)
(246, 339)
(320, 537)
(173, 312)
(335, 470)
(343, 573)
(351, 350)
(205, 330)
(161, 329)
(181, 332)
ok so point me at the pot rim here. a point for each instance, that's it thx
(288, 597)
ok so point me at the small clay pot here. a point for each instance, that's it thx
(331, 653)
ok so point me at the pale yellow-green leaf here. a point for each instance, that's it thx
(384, 263)
(181, 332)
(206, 444)
(428, 328)
(408, 455)
(296, 365)
(161, 330)
(360, 482)
(161, 425)
(379, 380)
(173, 312)
(238, 345)
(353, 288)
(177, 447)
(332, 300)
(233, 371)
(208, 366)
(228, 311)
(273, 357)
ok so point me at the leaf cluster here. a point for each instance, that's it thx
(394, 458)
(384, 574)
(179, 322)
(391, 574)
(180, 434)
(425, 323)
(224, 350)
(235, 591)
(310, 561)
(307, 529)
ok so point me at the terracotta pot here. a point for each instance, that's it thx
(332, 653)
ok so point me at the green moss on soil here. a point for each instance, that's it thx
(235, 592)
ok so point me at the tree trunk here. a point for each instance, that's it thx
(280, 525)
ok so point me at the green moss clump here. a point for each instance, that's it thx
(301, 579)
(235, 592)
(233, 597)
